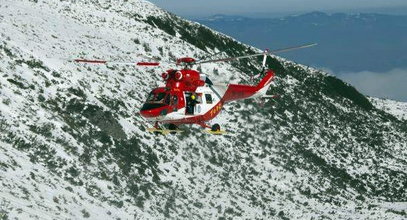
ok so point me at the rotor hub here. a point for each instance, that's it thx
(186, 60)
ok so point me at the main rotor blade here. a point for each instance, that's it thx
(257, 54)
(116, 63)
(210, 56)
(292, 48)
(229, 58)
(90, 61)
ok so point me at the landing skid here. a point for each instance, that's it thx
(173, 129)
(214, 132)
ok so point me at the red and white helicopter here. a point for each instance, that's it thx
(190, 97)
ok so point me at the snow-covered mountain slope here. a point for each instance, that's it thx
(72, 144)
(398, 109)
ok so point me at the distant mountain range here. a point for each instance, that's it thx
(347, 43)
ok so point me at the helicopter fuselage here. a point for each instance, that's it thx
(173, 104)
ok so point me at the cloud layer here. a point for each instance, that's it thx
(391, 84)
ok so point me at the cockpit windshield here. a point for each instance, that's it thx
(157, 100)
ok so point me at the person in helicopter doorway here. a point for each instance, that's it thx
(192, 101)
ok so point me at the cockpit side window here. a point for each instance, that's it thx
(161, 97)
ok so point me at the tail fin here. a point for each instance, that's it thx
(266, 80)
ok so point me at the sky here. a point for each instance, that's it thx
(385, 85)
(191, 8)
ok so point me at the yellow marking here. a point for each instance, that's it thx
(217, 108)
(215, 132)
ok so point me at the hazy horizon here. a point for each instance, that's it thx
(263, 8)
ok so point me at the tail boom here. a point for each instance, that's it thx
(238, 92)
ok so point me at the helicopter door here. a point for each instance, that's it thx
(189, 106)
(193, 101)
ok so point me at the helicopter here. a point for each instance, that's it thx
(190, 97)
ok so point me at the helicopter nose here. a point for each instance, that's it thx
(150, 113)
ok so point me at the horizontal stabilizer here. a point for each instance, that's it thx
(269, 96)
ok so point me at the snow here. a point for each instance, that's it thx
(395, 108)
(258, 170)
